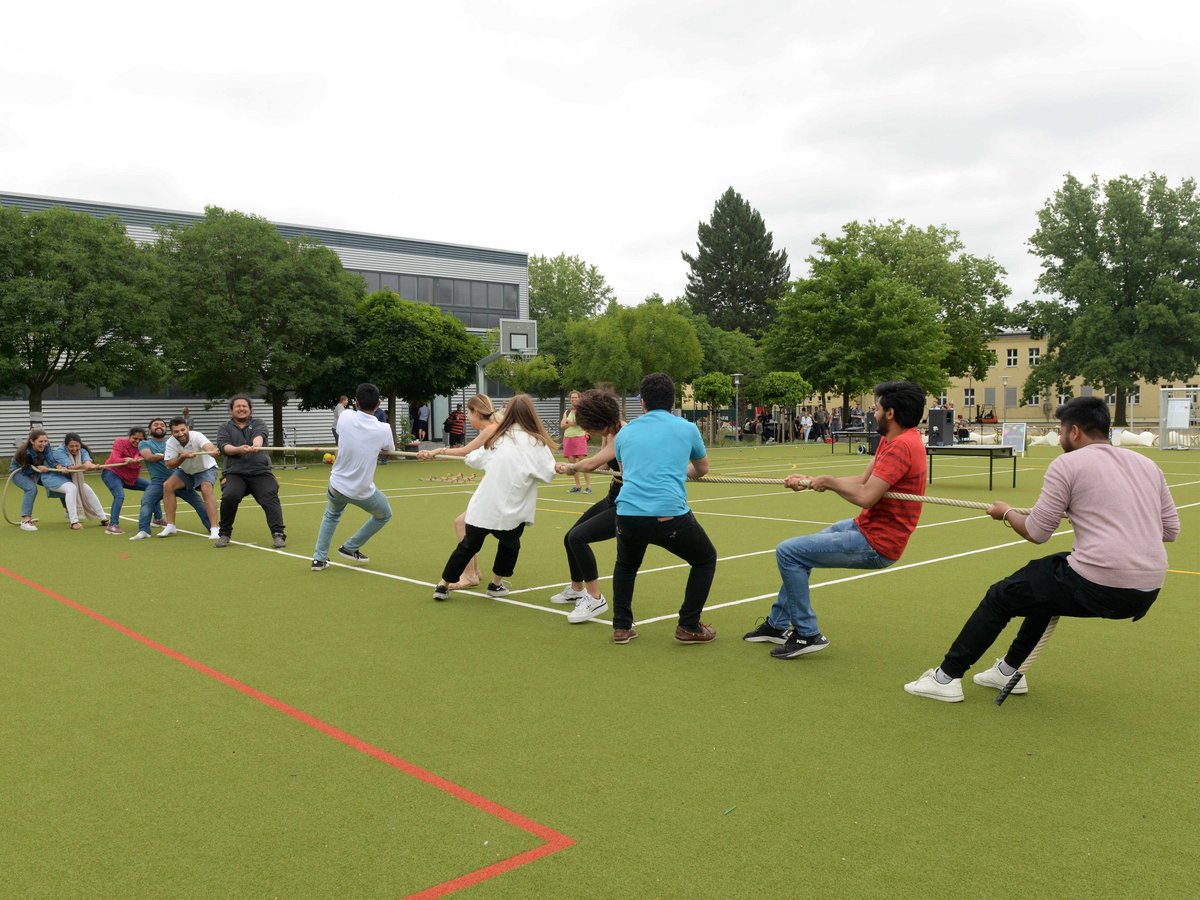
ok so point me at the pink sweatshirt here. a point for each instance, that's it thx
(121, 449)
(1121, 510)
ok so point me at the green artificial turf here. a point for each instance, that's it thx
(676, 770)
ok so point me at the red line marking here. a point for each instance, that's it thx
(554, 840)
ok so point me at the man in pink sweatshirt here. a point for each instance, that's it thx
(1122, 513)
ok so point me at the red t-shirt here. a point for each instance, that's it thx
(123, 448)
(888, 524)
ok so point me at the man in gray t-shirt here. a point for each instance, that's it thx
(247, 471)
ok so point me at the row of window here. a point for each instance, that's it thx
(1011, 355)
(477, 304)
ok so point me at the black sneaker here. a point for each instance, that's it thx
(320, 565)
(352, 555)
(441, 592)
(765, 633)
(799, 644)
(497, 590)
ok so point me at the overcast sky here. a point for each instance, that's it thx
(603, 129)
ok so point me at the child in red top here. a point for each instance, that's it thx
(874, 540)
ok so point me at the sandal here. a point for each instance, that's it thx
(77, 526)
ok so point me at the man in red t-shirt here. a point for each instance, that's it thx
(873, 540)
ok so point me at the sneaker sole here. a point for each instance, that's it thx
(564, 601)
(942, 697)
(764, 639)
(350, 558)
(803, 651)
(1021, 688)
(598, 611)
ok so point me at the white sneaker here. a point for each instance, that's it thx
(213, 534)
(140, 536)
(588, 607)
(928, 686)
(568, 595)
(994, 678)
(26, 525)
(167, 531)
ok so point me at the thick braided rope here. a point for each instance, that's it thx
(1024, 667)
(891, 495)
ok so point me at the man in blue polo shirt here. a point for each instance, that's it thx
(658, 452)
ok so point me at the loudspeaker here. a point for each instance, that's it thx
(941, 428)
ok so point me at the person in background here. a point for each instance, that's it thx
(30, 461)
(575, 441)
(456, 426)
(421, 426)
(806, 424)
(118, 479)
(338, 409)
(186, 415)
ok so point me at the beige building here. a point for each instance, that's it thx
(1016, 355)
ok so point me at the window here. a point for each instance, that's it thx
(1134, 397)
(1110, 399)
(969, 397)
(1011, 357)
(1035, 356)
(1035, 400)
(1063, 398)
(408, 287)
(942, 400)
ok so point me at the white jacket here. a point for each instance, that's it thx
(507, 496)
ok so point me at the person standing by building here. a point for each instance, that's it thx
(421, 425)
(152, 450)
(456, 426)
(351, 481)
(658, 452)
(875, 539)
(1122, 513)
(189, 456)
(806, 424)
(575, 442)
(821, 422)
(247, 471)
(118, 479)
(338, 409)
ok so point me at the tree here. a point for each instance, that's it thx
(723, 351)
(1123, 258)
(600, 355)
(715, 390)
(75, 304)
(253, 311)
(537, 376)
(783, 389)
(563, 289)
(410, 350)
(736, 275)
(661, 340)
(856, 323)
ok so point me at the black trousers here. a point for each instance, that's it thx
(506, 553)
(682, 536)
(263, 488)
(599, 523)
(1042, 589)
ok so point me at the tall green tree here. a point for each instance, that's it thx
(564, 289)
(600, 354)
(76, 304)
(1122, 258)
(855, 323)
(723, 351)
(251, 311)
(661, 340)
(537, 376)
(410, 350)
(736, 274)
(715, 390)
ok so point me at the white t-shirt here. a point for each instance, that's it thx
(361, 437)
(196, 464)
(507, 496)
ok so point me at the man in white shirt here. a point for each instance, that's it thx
(189, 456)
(361, 438)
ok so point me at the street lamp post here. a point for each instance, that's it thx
(737, 405)
(1004, 400)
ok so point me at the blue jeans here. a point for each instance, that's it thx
(29, 486)
(152, 497)
(335, 505)
(840, 546)
(117, 487)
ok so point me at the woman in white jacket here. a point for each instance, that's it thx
(515, 457)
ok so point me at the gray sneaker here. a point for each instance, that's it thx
(278, 540)
(222, 541)
(497, 590)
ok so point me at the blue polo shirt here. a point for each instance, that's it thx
(654, 451)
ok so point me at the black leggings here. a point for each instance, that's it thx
(599, 523)
(472, 543)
